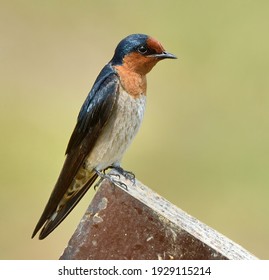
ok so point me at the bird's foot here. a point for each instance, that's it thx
(128, 175)
(110, 178)
(98, 183)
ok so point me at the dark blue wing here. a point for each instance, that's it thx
(93, 116)
(96, 108)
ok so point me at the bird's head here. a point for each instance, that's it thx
(139, 53)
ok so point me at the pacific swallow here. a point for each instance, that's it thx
(106, 125)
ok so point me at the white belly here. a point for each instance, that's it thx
(118, 132)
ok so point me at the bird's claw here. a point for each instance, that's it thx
(128, 175)
(110, 178)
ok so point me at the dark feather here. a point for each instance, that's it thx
(52, 224)
(94, 109)
(92, 118)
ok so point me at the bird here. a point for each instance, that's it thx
(106, 125)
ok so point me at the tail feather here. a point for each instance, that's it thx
(56, 216)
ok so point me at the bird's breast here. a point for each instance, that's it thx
(118, 132)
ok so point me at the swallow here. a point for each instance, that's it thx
(106, 125)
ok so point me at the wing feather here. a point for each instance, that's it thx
(93, 116)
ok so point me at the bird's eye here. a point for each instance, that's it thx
(143, 49)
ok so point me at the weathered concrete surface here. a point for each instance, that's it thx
(139, 224)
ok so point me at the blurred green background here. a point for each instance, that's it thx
(204, 142)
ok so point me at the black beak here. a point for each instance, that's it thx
(164, 55)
